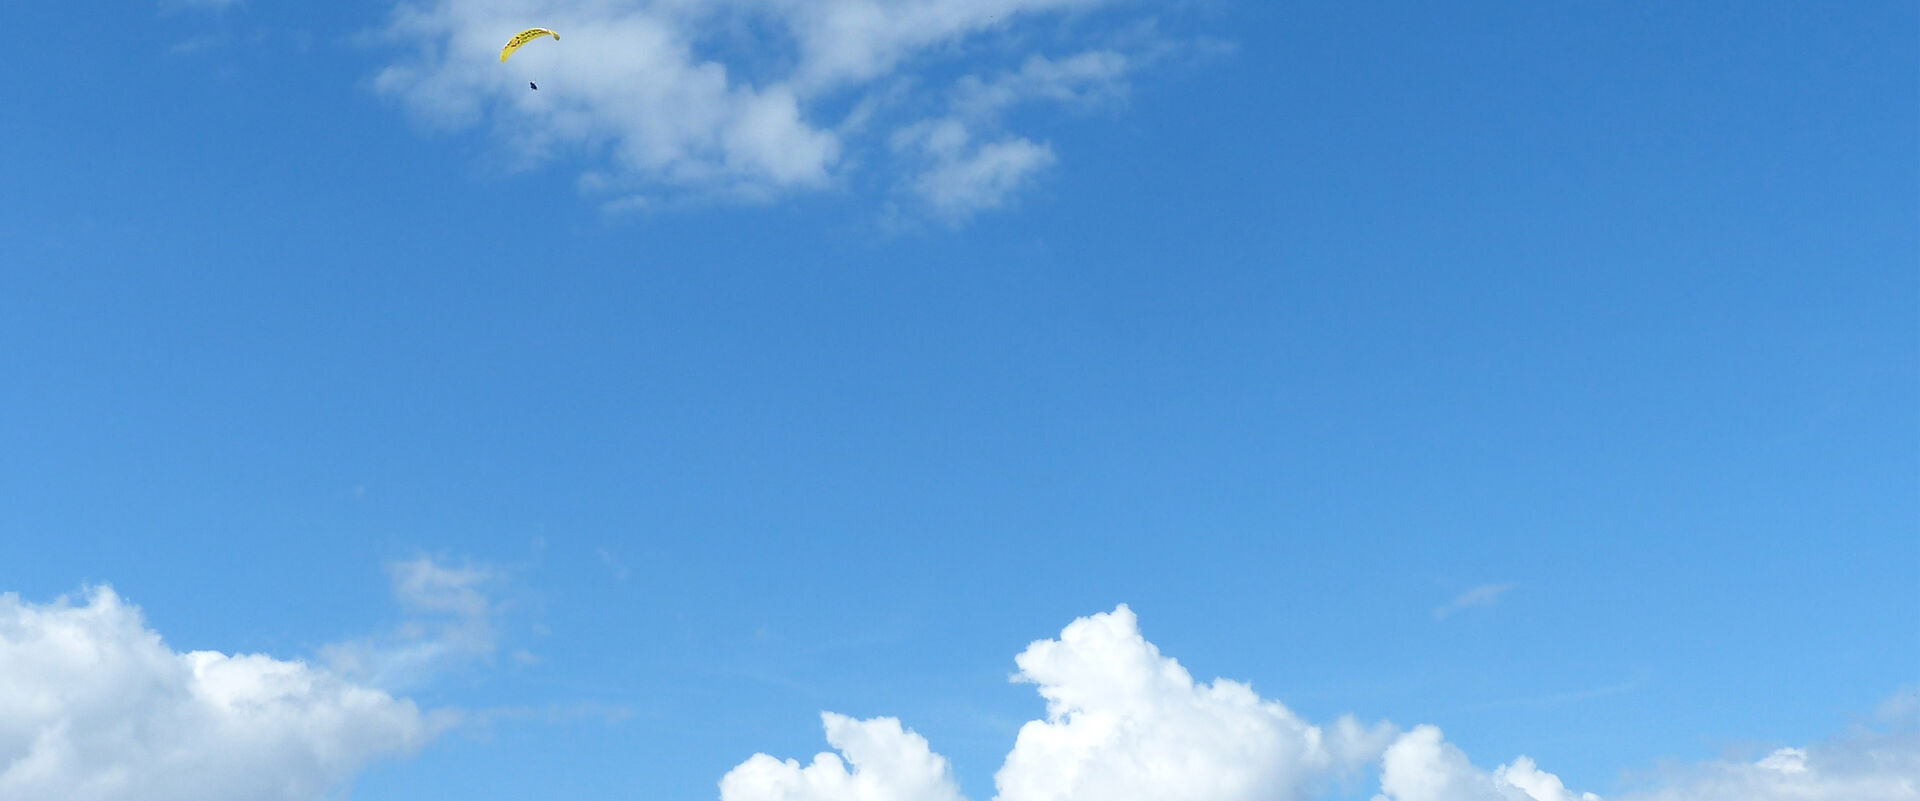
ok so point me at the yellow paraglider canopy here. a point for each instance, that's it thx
(524, 37)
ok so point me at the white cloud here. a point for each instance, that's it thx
(961, 177)
(1126, 723)
(855, 41)
(1482, 596)
(1866, 766)
(449, 620)
(666, 98)
(1902, 707)
(1422, 766)
(94, 706)
(1123, 723)
(956, 174)
(1089, 78)
(883, 762)
(1536, 783)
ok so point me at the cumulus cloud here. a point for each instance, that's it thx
(1422, 766)
(1127, 723)
(449, 619)
(1123, 722)
(665, 98)
(882, 762)
(94, 706)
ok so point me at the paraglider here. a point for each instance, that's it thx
(524, 37)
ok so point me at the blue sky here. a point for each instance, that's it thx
(1543, 372)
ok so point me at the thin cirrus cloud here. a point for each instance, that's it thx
(1479, 597)
(97, 707)
(449, 620)
(667, 103)
(1126, 723)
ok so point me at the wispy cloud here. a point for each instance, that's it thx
(207, 41)
(1902, 708)
(965, 162)
(550, 714)
(1549, 700)
(1479, 597)
(448, 619)
(203, 5)
(613, 565)
(666, 103)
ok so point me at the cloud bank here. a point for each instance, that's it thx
(1126, 723)
(94, 706)
(755, 99)
(1868, 766)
